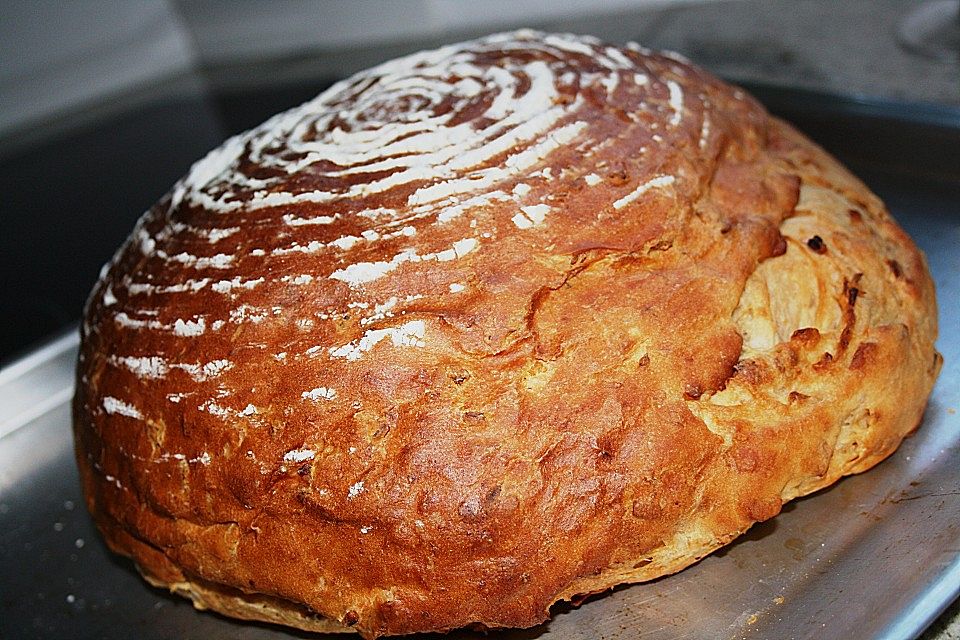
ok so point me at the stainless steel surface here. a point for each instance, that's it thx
(37, 383)
(875, 556)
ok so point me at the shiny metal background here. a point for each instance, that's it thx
(875, 556)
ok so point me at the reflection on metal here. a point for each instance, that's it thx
(933, 30)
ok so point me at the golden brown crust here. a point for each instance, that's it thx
(337, 380)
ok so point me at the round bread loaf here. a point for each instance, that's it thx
(489, 327)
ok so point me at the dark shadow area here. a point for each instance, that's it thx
(756, 533)
(71, 200)
(909, 140)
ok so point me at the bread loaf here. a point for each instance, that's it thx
(486, 328)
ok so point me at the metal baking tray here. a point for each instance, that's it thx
(874, 556)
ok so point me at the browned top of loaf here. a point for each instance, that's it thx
(467, 334)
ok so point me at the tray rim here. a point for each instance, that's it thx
(57, 345)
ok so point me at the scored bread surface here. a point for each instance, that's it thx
(489, 327)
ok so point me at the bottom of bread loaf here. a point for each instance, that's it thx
(248, 606)
(690, 547)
